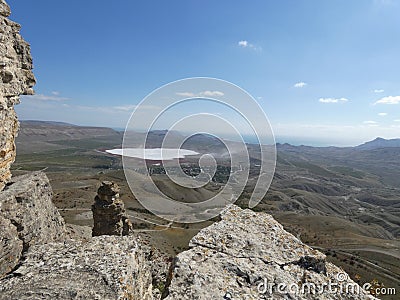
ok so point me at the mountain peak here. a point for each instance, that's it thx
(379, 143)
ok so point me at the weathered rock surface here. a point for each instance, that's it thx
(105, 267)
(16, 78)
(10, 246)
(29, 216)
(109, 216)
(246, 256)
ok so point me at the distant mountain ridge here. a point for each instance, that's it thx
(379, 143)
(38, 122)
(156, 136)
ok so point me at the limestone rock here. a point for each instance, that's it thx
(16, 78)
(26, 202)
(10, 247)
(105, 267)
(246, 256)
(109, 216)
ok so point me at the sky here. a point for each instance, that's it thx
(324, 72)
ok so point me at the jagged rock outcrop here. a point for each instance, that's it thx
(246, 256)
(16, 79)
(109, 216)
(29, 217)
(105, 267)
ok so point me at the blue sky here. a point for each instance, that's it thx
(325, 72)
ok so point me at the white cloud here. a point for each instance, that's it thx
(378, 91)
(212, 93)
(246, 44)
(370, 122)
(42, 97)
(186, 94)
(130, 107)
(55, 93)
(382, 114)
(389, 100)
(300, 84)
(125, 107)
(243, 44)
(333, 100)
(398, 120)
(201, 94)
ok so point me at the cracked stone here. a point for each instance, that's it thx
(244, 251)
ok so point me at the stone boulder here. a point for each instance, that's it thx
(28, 217)
(249, 255)
(16, 78)
(106, 267)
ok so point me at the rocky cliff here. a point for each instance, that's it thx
(16, 79)
(28, 217)
(103, 268)
(38, 259)
(249, 255)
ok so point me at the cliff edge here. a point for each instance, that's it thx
(248, 255)
(16, 79)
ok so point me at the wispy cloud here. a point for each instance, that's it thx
(131, 107)
(378, 91)
(397, 120)
(246, 44)
(382, 114)
(186, 94)
(124, 107)
(300, 84)
(370, 122)
(333, 100)
(42, 97)
(201, 94)
(389, 100)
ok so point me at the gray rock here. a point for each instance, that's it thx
(246, 256)
(106, 267)
(109, 215)
(16, 78)
(26, 202)
(10, 247)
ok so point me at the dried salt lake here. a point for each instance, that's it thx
(153, 153)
